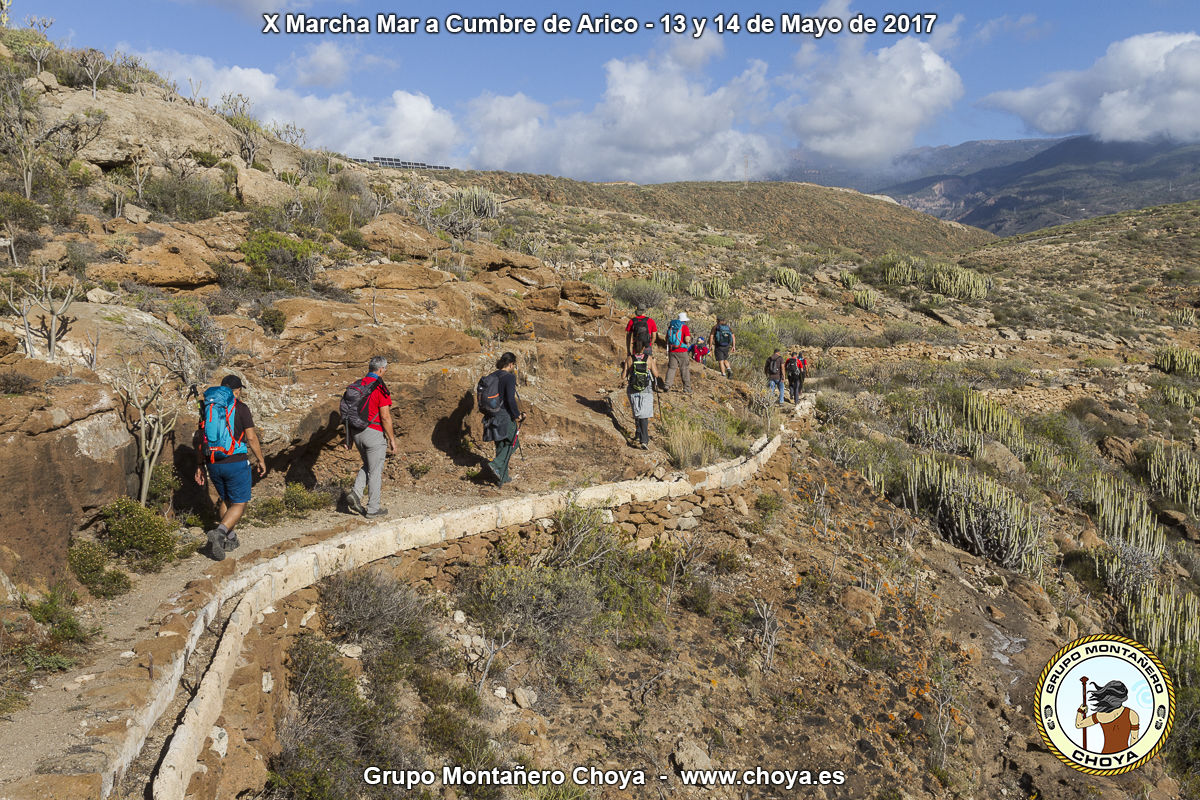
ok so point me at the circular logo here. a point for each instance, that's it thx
(1105, 704)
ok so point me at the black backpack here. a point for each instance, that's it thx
(641, 329)
(723, 336)
(488, 395)
(639, 375)
(793, 368)
(355, 400)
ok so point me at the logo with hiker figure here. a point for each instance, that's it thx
(1105, 704)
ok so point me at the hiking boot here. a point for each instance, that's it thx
(231, 542)
(373, 514)
(216, 545)
(354, 502)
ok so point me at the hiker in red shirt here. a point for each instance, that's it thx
(679, 336)
(639, 327)
(374, 442)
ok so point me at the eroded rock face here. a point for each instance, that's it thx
(160, 255)
(393, 234)
(64, 451)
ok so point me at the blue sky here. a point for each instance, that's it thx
(651, 107)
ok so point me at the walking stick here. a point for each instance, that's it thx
(1083, 681)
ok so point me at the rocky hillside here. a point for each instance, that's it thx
(1041, 382)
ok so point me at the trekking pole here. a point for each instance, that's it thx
(1083, 681)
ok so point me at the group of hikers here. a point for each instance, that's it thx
(642, 378)
(226, 439)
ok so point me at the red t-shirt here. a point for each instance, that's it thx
(650, 326)
(378, 399)
(684, 333)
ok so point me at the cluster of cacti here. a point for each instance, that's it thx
(766, 323)
(934, 427)
(1178, 396)
(1178, 360)
(1183, 317)
(717, 288)
(789, 279)
(866, 298)
(1123, 515)
(696, 289)
(902, 271)
(978, 514)
(1175, 473)
(989, 417)
(849, 279)
(477, 202)
(667, 279)
(955, 281)
(1168, 622)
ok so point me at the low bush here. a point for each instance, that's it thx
(14, 383)
(272, 320)
(373, 607)
(143, 538)
(54, 610)
(646, 294)
(90, 563)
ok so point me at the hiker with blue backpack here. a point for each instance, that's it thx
(679, 336)
(225, 439)
(642, 377)
(367, 416)
(496, 396)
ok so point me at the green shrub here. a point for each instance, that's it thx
(164, 482)
(89, 562)
(646, 294)
(282, 262)
(377, 608)
(299, 501)
(143, 538)
(353, 238)
(205, 159)
(272, 320)
(189, 199)
(55, 611)
(14, 383)
(714, 240)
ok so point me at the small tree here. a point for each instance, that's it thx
(26, 136)
(40, 53)
(95, 64)
(236, 108)
(17, 214)
(148, 411)
(139, 168)
(289, 133)
(42, 293)
(381, 198)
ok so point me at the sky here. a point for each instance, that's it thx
(658, 106)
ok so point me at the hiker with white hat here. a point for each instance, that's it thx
(679, 336)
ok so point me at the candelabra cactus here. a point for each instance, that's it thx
(667, 279)
(1175, 473)
(789, 279)
(978, 514)
(849, 279)
(866, 298)
(1167, 621)
(696, 289)
(1178, 360)
(1123, 515)
(1178, 396)
(717, 288)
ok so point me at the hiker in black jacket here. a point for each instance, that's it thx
(497, 398)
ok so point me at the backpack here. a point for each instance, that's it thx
(488, 395)
(220, 406)
(675, 333)
(793, 368)
(723, 336)
(355, 401)
(639, 375)
(641, 329)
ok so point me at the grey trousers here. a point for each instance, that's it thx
(372, 446)
(679, 361)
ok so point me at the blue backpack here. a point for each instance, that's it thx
(675, 333)
(219, 408)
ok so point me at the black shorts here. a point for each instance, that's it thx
(721, 353)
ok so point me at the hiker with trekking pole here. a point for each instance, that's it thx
(496, 396)
(367, 416)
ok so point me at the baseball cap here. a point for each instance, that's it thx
(232, 381)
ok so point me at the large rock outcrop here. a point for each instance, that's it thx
(64, 451)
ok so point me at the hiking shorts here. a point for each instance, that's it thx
(231, 480)
(722, 353)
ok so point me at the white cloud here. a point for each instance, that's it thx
(656, 122)
(407, 125)
(695, 53)
(1143, 87)
(869, 106)
(326, 63)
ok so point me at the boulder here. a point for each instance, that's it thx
(403, 277)
(690, 755)
(1119, 449)
(64, 452)
(396, 236)
(223, 233)
(858, 601)
(258, 188)
(161, 255)
(1001, 459)
(584, 294)
(485, 256)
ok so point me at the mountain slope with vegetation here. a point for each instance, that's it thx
(804, 214)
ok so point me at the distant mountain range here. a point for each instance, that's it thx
(1010, 187)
